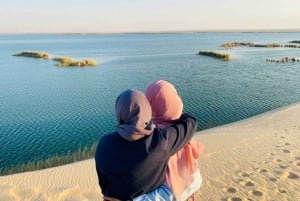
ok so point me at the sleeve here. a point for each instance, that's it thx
(101, 177)
(180, 133)
(197, 148)
(102, 181)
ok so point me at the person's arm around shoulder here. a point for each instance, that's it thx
(181, 132)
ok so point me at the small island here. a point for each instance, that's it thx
(284, 60)
(250, 44)
(295, 41)
(225, 57)
(67, 62)
(34, 54)
(236, 44)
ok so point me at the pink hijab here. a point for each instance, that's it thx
(133, 113)
(166, 105)
(165, 102)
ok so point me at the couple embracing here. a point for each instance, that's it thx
(151, 156)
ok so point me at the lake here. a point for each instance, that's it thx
(47, 110)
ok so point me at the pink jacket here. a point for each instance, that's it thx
(167, 105)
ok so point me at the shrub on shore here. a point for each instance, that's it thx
(225, 57)
(53, 161)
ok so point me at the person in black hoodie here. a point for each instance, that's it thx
(132, 161)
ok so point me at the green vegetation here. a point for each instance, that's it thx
(250, 44)
(34, 54)
(295, 41)
(236, 44)
(63, 61)
(66, 61)
(284, 60)
(270, 45)
(225, 57)
(292, 45)
(53, 161)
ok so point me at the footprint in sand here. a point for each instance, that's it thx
(230, 190)
(287, 144)
(281, 190)
(293, 176)
(278, 160)
(296, 163)
(263, 170)
(286, 151)
(290, 175)
(247, 183)
(235, 199)
(283, 166)
(256, 193)
(245, 174)
(297, 158)
(273, 179)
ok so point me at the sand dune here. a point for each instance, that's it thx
(77, 181)
(254, 159)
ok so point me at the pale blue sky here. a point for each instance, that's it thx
(67, 16)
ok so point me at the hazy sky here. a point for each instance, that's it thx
(67, 16)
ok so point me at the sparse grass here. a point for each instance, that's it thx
(34, 54)
(270, 45)
(284, 60)
(250, 44)
(63, 59)
(53, 161)
(66, 62)
(236, 44)
(225, 57)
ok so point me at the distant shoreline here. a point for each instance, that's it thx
(164, 32)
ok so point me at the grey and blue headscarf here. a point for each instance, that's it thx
(133, 112)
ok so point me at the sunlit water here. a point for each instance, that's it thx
(47, 110)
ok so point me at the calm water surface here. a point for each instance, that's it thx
(47, 110)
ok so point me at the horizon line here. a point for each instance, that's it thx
(296, 30)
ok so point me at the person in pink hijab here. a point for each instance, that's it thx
(183, 175)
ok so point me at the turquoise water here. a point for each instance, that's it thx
(47, 110)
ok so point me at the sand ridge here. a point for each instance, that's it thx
(255, 159)
(77, 181)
